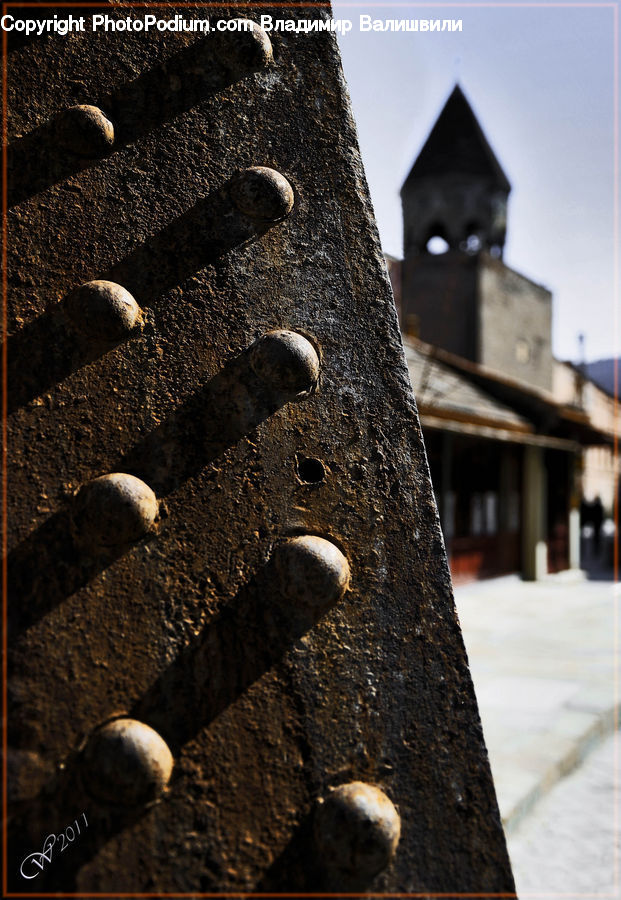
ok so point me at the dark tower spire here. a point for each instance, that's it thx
(456, 188)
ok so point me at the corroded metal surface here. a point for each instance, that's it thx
(279, 619)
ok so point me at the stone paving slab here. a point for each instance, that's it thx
(542, 657)
(569, 845)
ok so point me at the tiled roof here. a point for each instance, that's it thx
(439, 390)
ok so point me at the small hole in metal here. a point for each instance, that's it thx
(310, 471)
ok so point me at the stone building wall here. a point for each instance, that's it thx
(514, 324)
(439, 294)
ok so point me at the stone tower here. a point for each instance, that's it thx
(460, 295)
(456, 189)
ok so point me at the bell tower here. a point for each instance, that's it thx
(456, 290)
(456, 190)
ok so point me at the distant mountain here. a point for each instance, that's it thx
(602, 372)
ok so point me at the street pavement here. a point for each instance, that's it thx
(569, 843)
(543, 657)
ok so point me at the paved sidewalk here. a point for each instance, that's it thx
(542, 660)
(569, 844)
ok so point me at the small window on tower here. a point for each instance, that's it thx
(473, 243)
(436, 245)
(522, 350)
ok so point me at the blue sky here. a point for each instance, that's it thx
(540, 80)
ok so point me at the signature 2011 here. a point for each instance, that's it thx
(35, 863)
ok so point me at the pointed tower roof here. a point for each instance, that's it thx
(457, 144)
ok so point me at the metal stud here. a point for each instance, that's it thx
(247, 50)
(356, 830)
(312, 571)
(285, 361)
(85, 130)
(113, 511)
(126, 763)
(103, 310)
(262, 194)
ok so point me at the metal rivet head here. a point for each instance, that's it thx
(113, 511)
(357, 830)
(312, 572)
(262, 194)
(285, 361)
(126, 762)
(247, 51)
(85, 130)
(103, 310)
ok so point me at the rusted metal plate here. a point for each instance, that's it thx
(256, 609)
